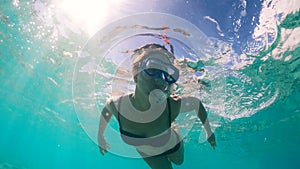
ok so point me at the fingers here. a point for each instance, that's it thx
(212, 141)
(213, 144)
(102, 151)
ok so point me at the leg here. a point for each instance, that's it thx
(158, 162)
(178, 156)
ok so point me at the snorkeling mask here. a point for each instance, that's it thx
(155, 68)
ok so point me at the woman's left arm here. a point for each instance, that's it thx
(192, 103)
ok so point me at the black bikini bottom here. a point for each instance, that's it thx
(170, 151)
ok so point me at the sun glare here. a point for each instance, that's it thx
(90, 14)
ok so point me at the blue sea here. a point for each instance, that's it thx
(251, 89)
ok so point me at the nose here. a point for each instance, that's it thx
(161, 84)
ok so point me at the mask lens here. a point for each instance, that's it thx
(160, 74)
(156, 68)
(153, 72)
(169, 78)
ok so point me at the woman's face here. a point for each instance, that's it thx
(154, 78)
(148, 83)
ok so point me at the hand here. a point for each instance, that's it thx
(103, 145)
(212, 140)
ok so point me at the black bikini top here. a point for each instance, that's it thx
(138, 140)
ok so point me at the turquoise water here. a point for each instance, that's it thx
(257, 125)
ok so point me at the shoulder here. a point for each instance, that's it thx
(113, 103)
(187, 103)
(175, 104)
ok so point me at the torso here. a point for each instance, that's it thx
(156, 127)
(152, 128)
(154, 137)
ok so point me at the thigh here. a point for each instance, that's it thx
(158, 162)
(178, 156)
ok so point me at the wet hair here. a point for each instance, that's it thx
(139, 55)
(149, 46)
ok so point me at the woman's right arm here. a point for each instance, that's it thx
(104, 119)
